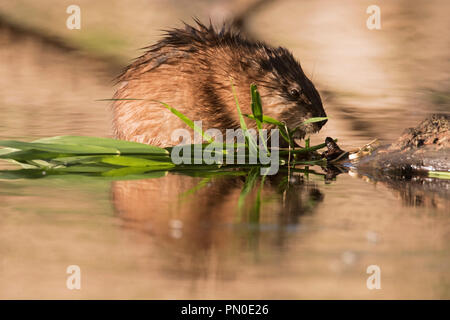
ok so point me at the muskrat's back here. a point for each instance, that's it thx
(190, 69)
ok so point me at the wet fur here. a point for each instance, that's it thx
(190, 69)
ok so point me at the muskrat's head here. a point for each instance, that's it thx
(286, 93)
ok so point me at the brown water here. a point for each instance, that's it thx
(155, 238)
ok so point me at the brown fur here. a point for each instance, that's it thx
(190, 69)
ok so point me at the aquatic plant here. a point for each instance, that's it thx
(107, 157)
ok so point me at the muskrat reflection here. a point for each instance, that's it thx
(196, 221)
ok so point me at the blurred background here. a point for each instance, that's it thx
(374, 84)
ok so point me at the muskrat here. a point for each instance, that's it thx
(190, 69)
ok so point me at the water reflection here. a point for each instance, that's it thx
(194, 216)
(415, 191)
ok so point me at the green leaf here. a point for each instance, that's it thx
(188, 121)
(255, 212)
(200, 185)
(317, 119)
(72, 160)
(251, 142)
(80, 169)
(256, 106)
(180, 115)
(124, 147)
(127, 161)
(97, 159)
(129, 172)
(30, 155)
(439, 174)
(266, 119)
(21, 174)
(258, 113)
(58, 148)
(250, 181)
(241, 118)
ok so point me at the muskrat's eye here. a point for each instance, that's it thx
(294, 93)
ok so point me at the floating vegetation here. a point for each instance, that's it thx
(439, 174)
(111, 158)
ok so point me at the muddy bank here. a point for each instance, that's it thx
(418, 150)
